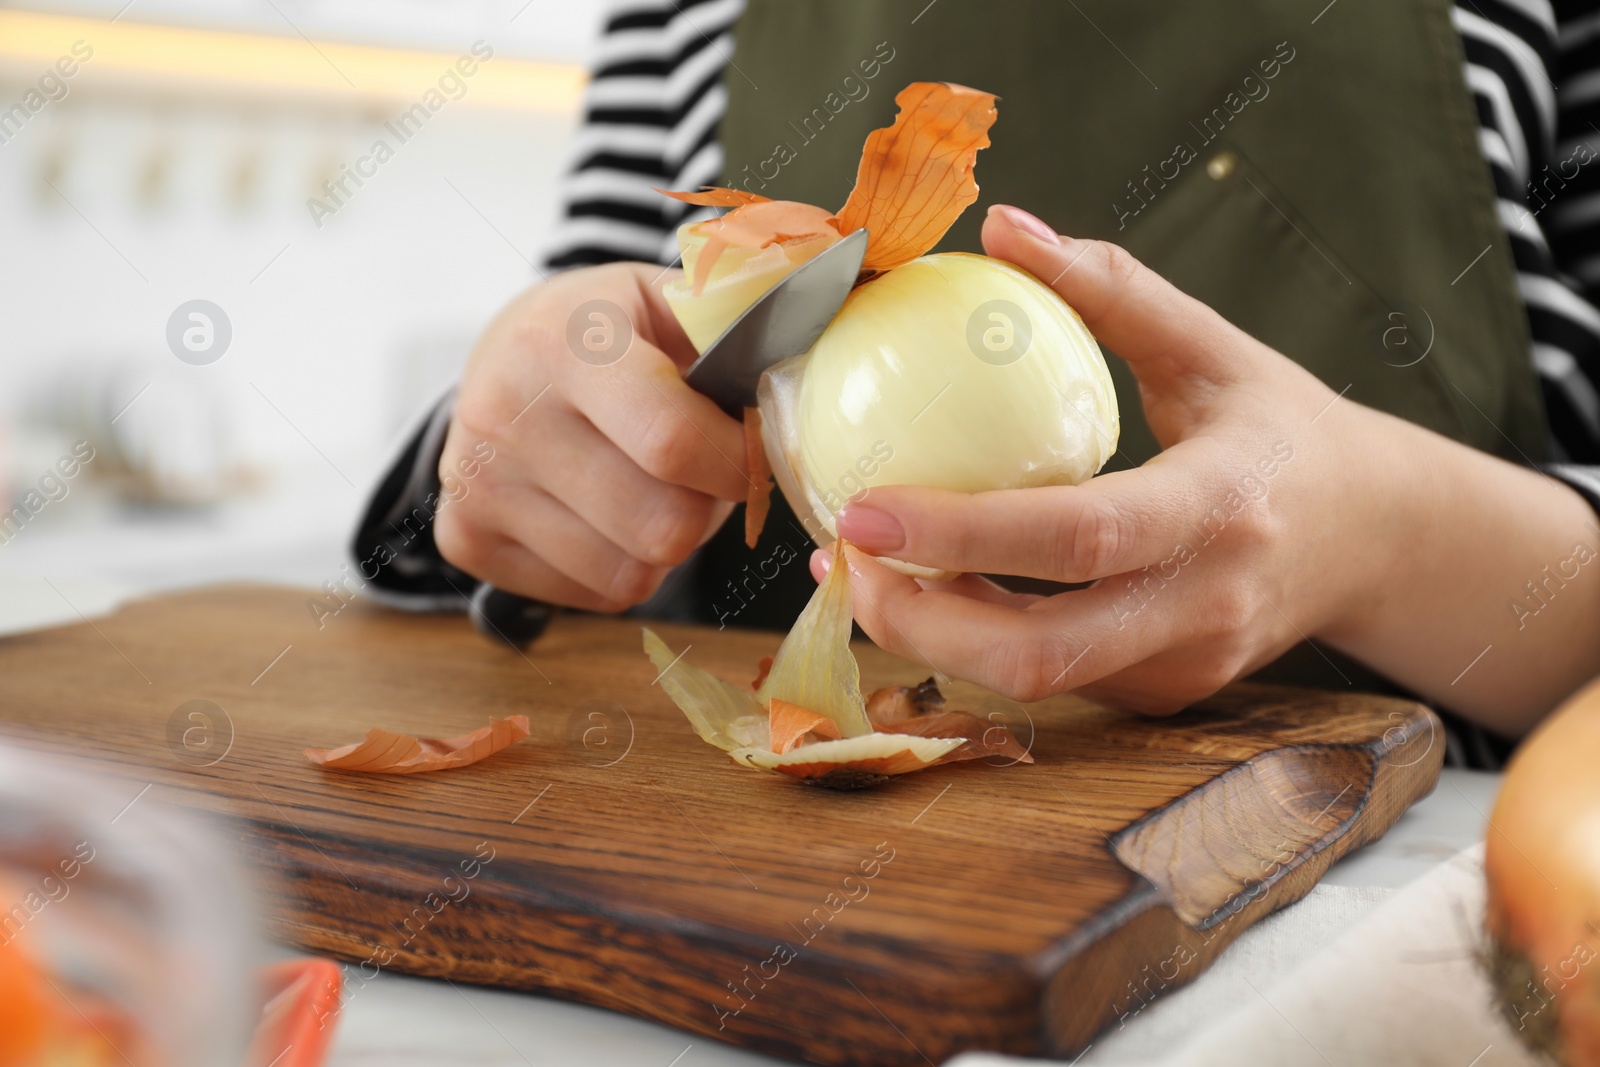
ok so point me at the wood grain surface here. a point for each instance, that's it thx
(616, 859)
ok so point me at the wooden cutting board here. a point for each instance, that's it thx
(616, 859)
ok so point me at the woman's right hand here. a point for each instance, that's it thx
(606, 470)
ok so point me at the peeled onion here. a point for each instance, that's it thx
(954, 371)
(1542, 860)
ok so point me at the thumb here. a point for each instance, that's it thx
(1160, 330)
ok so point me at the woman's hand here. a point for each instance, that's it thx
(608, 470)
(1277, 511)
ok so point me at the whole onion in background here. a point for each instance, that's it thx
(1542, 860)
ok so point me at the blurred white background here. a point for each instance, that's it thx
(176, 164)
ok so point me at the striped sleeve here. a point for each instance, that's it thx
(1575, 220)
(650, 122)
(1533, 68)
(1563, 194)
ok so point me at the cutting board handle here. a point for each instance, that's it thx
(1218, 848)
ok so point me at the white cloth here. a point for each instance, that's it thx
(1382, 982)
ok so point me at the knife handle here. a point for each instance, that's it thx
(510, 618)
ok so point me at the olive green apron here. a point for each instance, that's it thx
(1313, 173)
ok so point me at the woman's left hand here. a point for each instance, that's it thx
(1254, 527)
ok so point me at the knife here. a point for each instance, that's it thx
(786, 321)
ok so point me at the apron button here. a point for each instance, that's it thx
(1221, 165)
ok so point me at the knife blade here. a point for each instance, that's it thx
(784, 322)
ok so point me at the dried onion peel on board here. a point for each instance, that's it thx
(852, 763)
(1542, 861)
(790, 725)
(1030, 401)
(980, 739)
(900, 702)
(917, 710)
(806, 716)
(386, 752)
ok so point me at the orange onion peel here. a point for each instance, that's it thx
(807, 717)
(914, 180)
(915, 177)
(761, 672)
(757, 225)
(386, 752)
(713, 196)
(759, 473)
(790, 725)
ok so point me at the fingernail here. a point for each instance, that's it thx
(871, 528)
(1027, 223)
(821, 561)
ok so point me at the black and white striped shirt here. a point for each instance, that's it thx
(650, 122)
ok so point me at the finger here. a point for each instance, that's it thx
(509, 566)
(1173, 679)
(1129, 308)
(1026, 653)
(971, 586)
(667, 428)
(667, 332)
(1164, 684)
(1222, 645)
(977, 587)
(1111, 524)
(649, 519)
(547, 527)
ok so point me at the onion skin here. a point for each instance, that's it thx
(1542, 861)
(740, 277)
(1046, 417)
